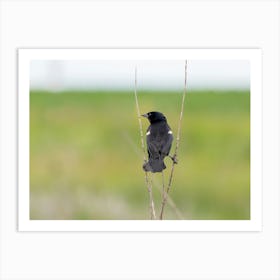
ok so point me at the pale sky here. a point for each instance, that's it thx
(151, 74)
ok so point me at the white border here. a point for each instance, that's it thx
(253, 55)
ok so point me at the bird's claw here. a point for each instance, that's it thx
(146, 166)
(174, 159)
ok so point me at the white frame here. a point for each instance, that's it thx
(253, 55)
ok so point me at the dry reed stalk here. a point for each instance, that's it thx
(165, 194)
(148, 183)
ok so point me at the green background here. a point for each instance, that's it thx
(86, 158)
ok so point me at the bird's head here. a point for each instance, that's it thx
(154, 117)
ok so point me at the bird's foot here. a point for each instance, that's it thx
(174, 159)
(146, 166)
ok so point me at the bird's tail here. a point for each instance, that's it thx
(154, 165)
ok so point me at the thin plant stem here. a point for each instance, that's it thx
(163, 192)
(148, 182)
(176, 147)
(163, 185)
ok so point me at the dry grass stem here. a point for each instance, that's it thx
(148, 182)
(176, 147)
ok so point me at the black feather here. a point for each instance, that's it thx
(159, 140)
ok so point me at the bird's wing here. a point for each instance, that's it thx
(153, 150)
(167, 145)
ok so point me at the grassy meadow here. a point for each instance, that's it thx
(86, 158)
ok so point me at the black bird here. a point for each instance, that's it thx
(159, 139)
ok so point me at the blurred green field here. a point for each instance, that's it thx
(86, 158)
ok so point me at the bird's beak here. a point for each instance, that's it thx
(145, 115)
